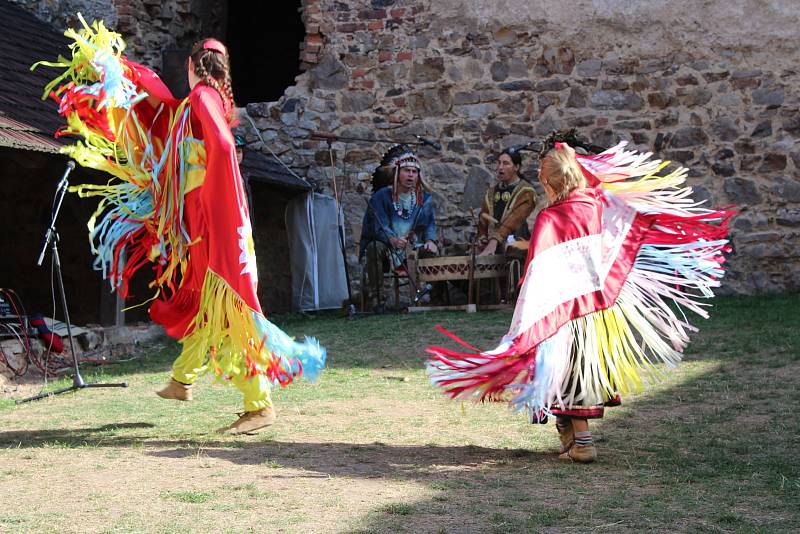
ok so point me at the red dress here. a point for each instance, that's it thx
(176, 203)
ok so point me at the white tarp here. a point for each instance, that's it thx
(318, 275)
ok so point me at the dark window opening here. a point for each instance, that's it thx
(264, 44)
(173, 71)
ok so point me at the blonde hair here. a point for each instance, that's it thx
(561, 172)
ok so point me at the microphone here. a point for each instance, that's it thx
(517, 148)
(64, 182)
(422, 291)
(427, 142)
(326, 136)
(61, 189)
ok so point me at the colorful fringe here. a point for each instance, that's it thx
(243, 341)
(139, 219)
(617, 350)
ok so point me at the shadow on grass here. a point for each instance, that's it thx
(712, 452)
(708, 453)
(369, 460)
(366, 342)
(372, 460)
(71, 438)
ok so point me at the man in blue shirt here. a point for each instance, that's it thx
(400, 215)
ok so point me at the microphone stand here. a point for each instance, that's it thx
(51, 240)
(340, 227)
(331, 137)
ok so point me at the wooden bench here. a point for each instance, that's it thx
(473, 269)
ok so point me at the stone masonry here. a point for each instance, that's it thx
(712, 86)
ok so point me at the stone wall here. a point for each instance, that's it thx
(62, 14)
(710, 85)
(711, 88)
(149, 26)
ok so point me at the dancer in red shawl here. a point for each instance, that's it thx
(616, 242)
(177, 203)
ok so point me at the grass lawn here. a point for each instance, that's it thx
(374, 448)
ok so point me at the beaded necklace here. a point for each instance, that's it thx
(405, 204)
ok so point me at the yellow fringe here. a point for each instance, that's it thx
(225, 325)
(609, 359)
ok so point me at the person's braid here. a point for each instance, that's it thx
(226, 91)
(222, 79)
(201, 70)
(212, 68)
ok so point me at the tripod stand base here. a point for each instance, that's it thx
(77, 383)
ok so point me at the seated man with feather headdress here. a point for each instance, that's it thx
(400, 215)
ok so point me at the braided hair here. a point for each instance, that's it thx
(211, 65)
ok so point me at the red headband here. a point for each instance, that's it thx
(216, 46)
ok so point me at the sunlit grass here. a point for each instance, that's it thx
(374, 448)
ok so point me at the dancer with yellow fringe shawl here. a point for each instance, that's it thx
(614, 260)
(176, 202)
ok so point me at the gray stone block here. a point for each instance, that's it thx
(356, 101)
(787, 190)
(495, 128)
(545, 101)
(617, 100)
(723, 169)
(477, 111)
(770, 97)
(701, 193)
(554, 84)
(517, 85)
(788, 217)
(577, 98)
(725, 129)
(589, 68)
(499, 71)
(330, 73)
(478, 180)
(791, 125)
(633, 124)
(762, 129)
(445, 173)
(686, 137)
(742, 191)
(698, 97)
(466, 97)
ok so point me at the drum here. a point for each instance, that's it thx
(458, 268)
